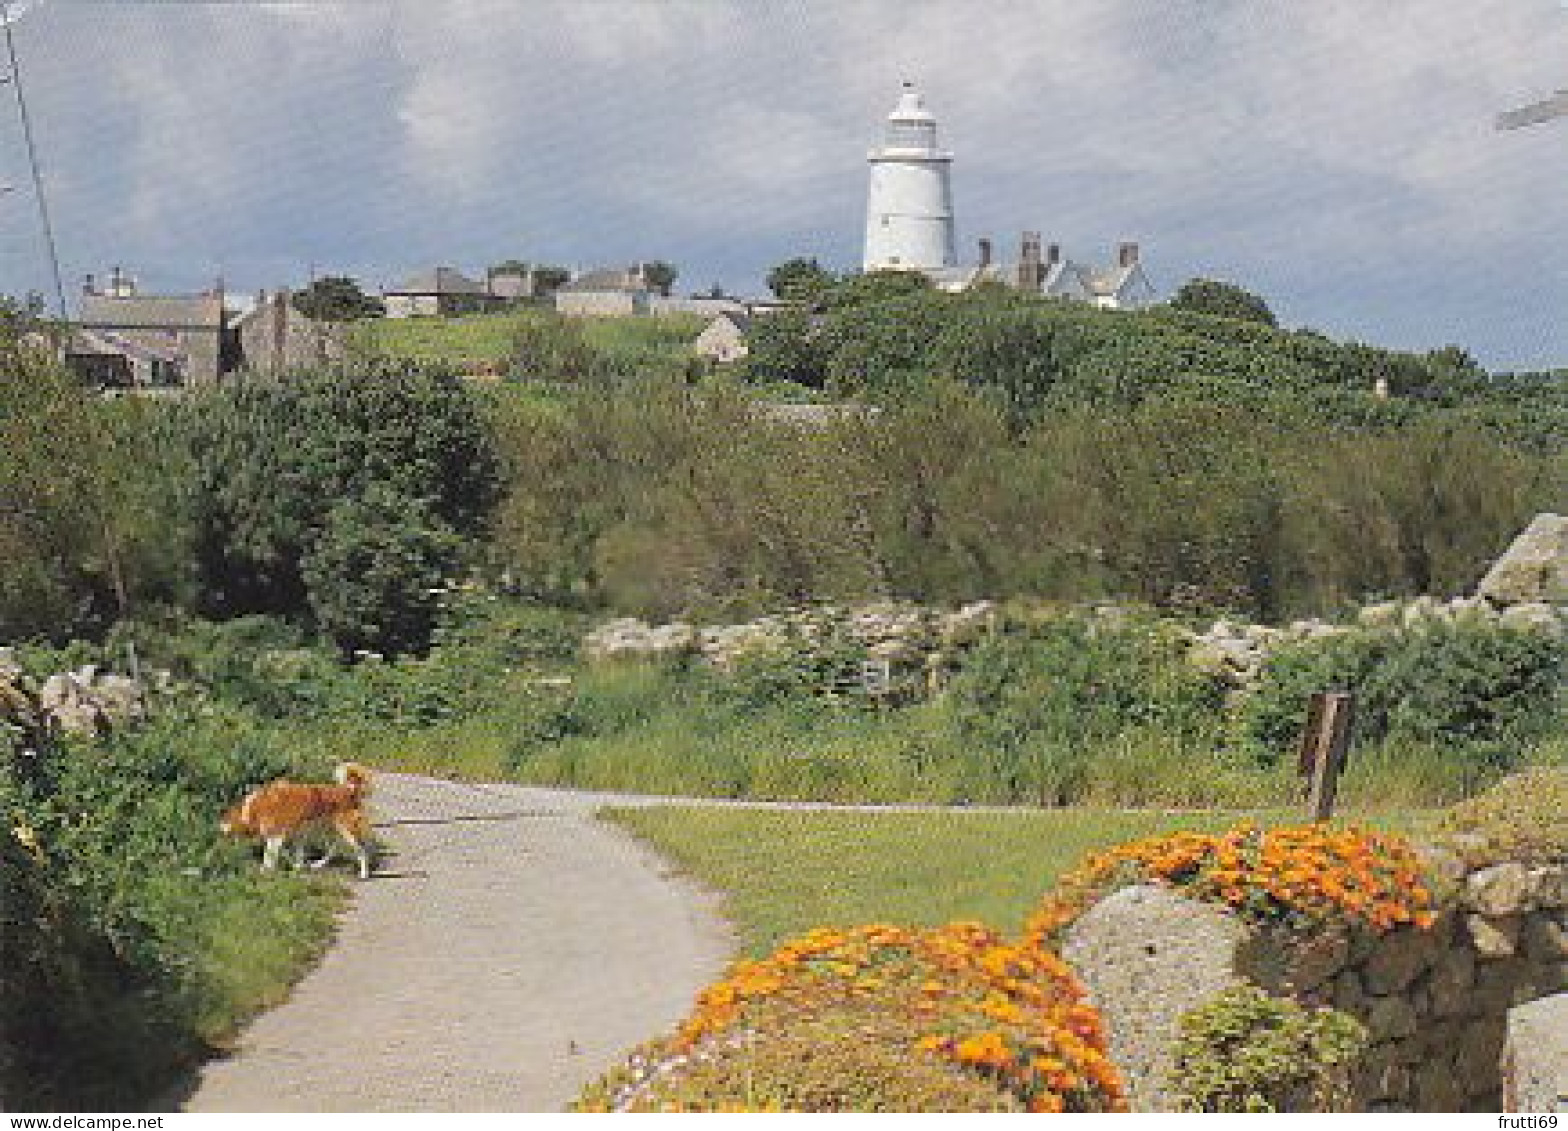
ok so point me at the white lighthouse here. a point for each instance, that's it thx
(909, 208)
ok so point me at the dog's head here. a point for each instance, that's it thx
(237, 820)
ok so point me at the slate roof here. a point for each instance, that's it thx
(1118, 282)
(153, 312)
(739, 318)
(605, 279)
(105, 344)
(438, 281)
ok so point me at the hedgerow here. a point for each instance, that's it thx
(135, 937)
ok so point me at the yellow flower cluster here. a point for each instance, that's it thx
(1307, 874)
(1013, 1013)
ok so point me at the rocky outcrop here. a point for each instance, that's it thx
(87, 701)
(1148, 956)
(1534, 569)
(1535, 1057)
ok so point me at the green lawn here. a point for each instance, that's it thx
(785, 871)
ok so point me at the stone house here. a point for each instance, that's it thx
(705, 306)
(441, 291)
(106, 360)
(273, 337)
(159, 339)
(1043, 269)
(608, 292)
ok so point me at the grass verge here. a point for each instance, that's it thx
(785, 871)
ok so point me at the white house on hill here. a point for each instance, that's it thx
(724, 339)
(1043, 269)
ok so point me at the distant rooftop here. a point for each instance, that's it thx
(438, 281)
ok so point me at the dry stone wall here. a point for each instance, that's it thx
(1527, 589)
(1437, 1003)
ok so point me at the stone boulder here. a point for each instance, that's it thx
(1147, 956)
(1535, 1057)
(1534, 569)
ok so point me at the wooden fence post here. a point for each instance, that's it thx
(1324, 744)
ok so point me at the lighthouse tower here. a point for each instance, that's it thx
(909, 208)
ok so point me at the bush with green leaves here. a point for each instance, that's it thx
(1035, 705)
(1474, 686)
(1222, 300)
(272, 459)
(375, 573)
(549, 347)
(157, 936)
(1245, 1051)
(794, 671)
(1522, 817)
(86, 532)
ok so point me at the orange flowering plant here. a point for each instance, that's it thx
(1291, 877)
(1010, 1014)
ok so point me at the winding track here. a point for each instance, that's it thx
(508, 951)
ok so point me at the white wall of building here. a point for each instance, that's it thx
(909, 215)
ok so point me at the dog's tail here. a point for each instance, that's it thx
(355, 776)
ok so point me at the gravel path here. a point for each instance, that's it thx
(508, 950)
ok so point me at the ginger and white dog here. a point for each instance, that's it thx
(282, 811)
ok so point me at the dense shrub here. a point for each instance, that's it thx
(1477, 687)
(271, 460)
(375, 573)
(142, 937)
(799, 670)
(836, 1059)
(1301, 879)
(1039, 704)
(1222, 300)
(85, 527)
(552, 348)
(1521, 817)
(666, 499)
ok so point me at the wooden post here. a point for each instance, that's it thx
(1324, 744)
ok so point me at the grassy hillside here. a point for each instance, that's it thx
(488, 342)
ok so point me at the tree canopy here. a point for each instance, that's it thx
(1226, 300)
(661, 276)
(337, 298)
(799, 280)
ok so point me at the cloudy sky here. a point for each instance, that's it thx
(1337, 156)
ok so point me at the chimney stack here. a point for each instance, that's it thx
(1031, 272)
(985, 253)
(89, 286)
(1053, 255)
(1127, 255)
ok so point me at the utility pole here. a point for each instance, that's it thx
(10, 12)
